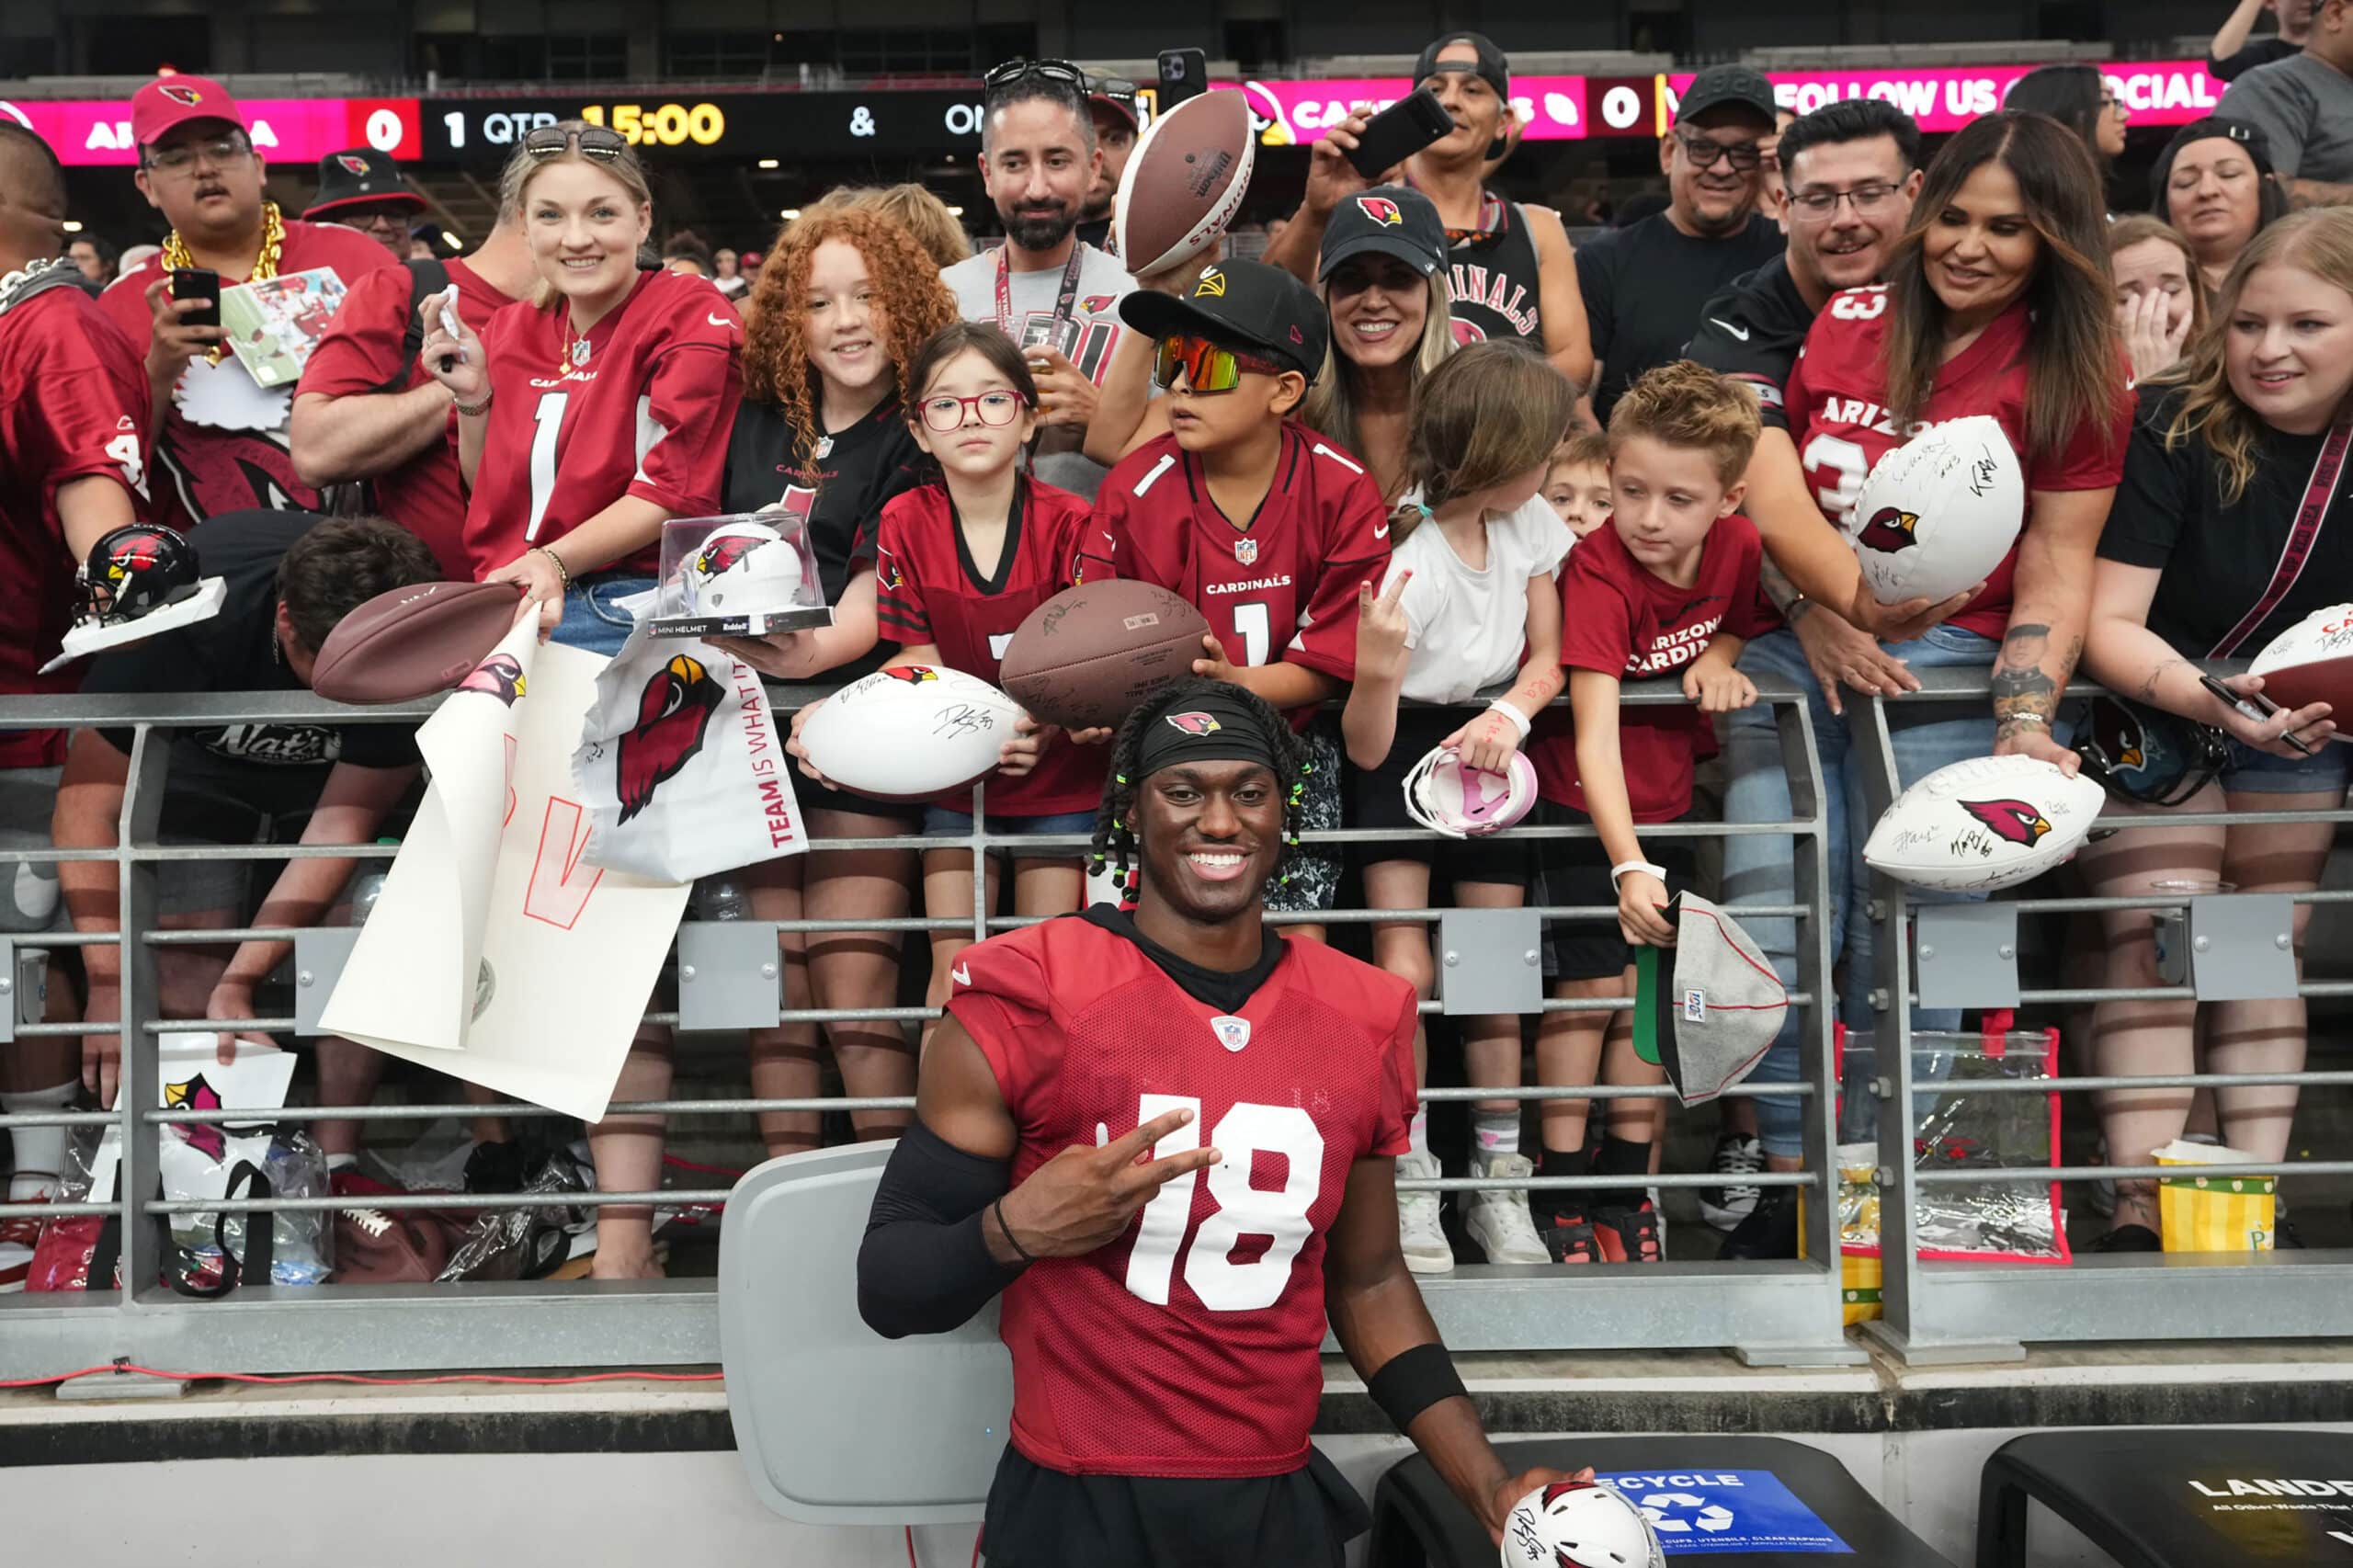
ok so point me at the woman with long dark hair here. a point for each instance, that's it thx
(2225, 532)
(1998, 301)
(2078, 97)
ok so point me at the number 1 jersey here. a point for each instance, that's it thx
(1189, 1346)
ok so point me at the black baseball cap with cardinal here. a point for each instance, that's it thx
(360, 177)
(1491, 64)
(1392, 220)
(1244, 304)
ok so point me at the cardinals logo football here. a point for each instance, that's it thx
(1380, 210)
(2013, 820)
(672, 716)
(205, 1137)
(1890, 529)
(914, 675)
(499, 675)
(1194, 723)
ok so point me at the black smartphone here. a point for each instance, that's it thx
(197, 283)
(1399, 131)
(2254, 704)
(1184, 74)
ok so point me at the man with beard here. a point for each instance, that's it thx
(1052, 293)
(1510, 265)
(1644, 284)
(198, 166)
(1111, 102)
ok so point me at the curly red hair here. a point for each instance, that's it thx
(909, 297)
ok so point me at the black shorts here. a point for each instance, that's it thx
(1376, 798)
(1041, 1518)
(1576, 871)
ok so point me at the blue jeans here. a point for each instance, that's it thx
(593, 617)
(1762, 869)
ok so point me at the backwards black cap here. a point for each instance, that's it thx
(1491, 63)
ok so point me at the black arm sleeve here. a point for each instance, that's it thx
(924, 1266)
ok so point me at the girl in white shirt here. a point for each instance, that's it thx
(1468, 601)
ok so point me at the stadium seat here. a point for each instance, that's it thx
(835, 1425)
(1743, 1501)
(2175, 1497)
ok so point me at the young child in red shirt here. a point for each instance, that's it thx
(1668, 588)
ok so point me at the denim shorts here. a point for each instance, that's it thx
(939, 822)
(2253, 772)
(593, 619)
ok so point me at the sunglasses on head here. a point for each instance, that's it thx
(594, 142)
(1060, 72)
(1207, 367)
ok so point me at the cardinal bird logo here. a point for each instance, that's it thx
(672, 716)
(892, 579)
(180, 95)
(2014, 819)
(500, 675)
(1891, 530)
(132, 557)
(1194, 723)
(205, 1137)
(1211, 286)
(719, 554)
(1467, 333)
(1380, 210)
(1560, 1489)
(914, 675)
(2117, 733)
(350, 165)
(1096, 304)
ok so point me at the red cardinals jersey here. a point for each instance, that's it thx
(201, 471)
(928, 590)
(1835, 398)
(646, 412)
(1281, 585)
(363, 352)
(71, 391)
(1621, 618)
(1189, 1346)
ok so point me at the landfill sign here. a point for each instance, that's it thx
(1725, 1511)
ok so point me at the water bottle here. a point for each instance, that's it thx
(368, 885)
(720, 897)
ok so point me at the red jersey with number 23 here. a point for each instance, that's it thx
(927, 589)
(646, 412)
(1282, 585)
(1189, 1346)
(1836, 401)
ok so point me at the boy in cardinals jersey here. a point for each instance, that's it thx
(1165, 1314)
(1668, 588)
(1265, 526)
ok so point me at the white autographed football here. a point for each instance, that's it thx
(909, 730)
(1984, 824)
(2311, 662)
(1939, 512)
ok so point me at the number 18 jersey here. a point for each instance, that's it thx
(1189, 1346)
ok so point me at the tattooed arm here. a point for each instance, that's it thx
(2050, 607)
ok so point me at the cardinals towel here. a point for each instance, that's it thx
(681, 766)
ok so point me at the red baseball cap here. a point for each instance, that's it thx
(170, 101)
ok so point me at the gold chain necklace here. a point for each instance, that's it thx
(273, 240)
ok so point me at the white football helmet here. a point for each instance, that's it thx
(742, 569)
(1579, 1524)
(1444, 794)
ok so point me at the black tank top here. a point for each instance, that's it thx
(1495, 283)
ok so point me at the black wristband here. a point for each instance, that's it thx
(1007, 1230)
(1412, 1380)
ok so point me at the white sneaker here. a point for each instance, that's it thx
(1499, 1221)
(1731, 1200)
(1418, 1232)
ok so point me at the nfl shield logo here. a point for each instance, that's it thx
(1232, 1033)
(1245, 550)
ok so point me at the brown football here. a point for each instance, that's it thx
(412, 642)
(1184, 182)
(1086, 656)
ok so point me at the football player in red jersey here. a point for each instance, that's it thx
(367, 409)
(1263, 525)
(198, 167)
(72, 469)
(587, 420)
(1169, 1140)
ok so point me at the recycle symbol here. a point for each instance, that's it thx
(1712, 1517)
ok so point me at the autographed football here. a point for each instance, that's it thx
(908, 731)
(1984, 824)
(1088, 655)
(2311, 662)
(1183, 182)
(1939, 512)
(412, 642)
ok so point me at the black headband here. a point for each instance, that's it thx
(1213, 725)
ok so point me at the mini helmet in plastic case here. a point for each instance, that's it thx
(1446, 794)
(133, 570)
(742, 569)
(1579, 1524)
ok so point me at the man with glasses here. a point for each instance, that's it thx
(1052, 293)
(364, 190)
(1644, 284)
(1111, 102)
(219, 440)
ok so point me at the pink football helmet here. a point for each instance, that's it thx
(1444, 794)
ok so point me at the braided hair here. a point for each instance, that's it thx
(1116, 844)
